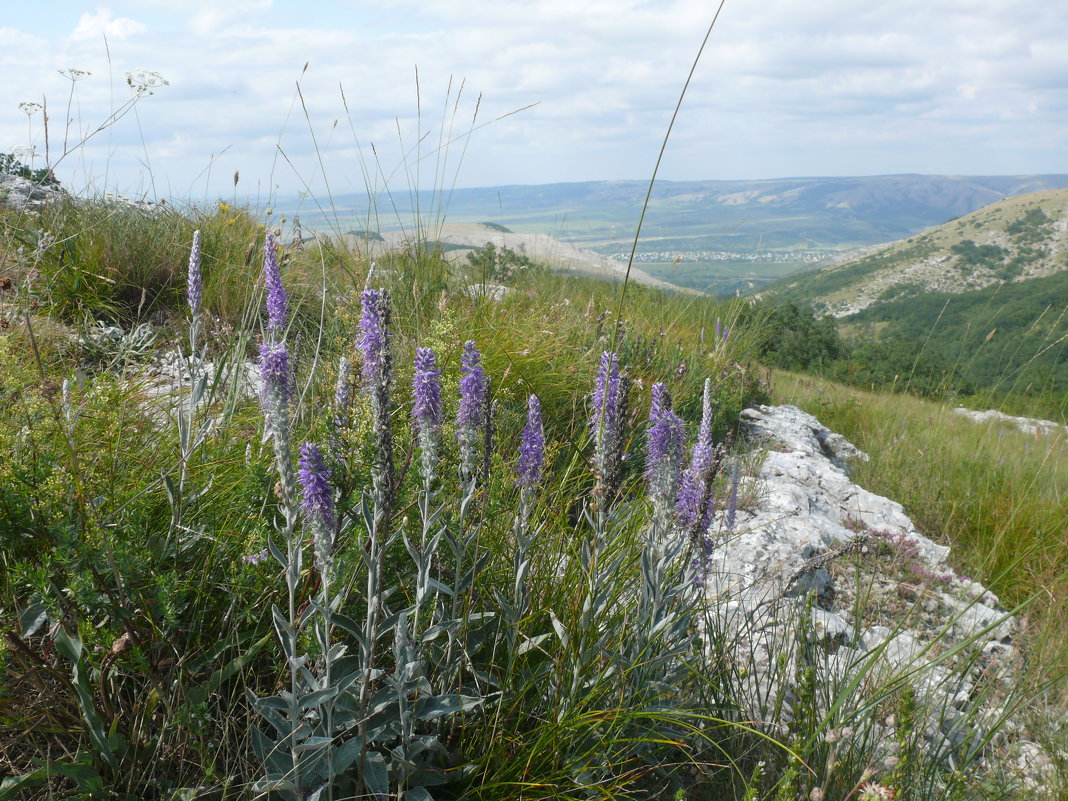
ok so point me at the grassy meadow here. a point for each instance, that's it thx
(349, 585)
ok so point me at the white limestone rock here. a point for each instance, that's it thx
(22, 193)
(1027, 425)
(809, 516)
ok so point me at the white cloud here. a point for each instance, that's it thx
(784, 88)
(102, 23)
(218, 18)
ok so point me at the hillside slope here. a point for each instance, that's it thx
(458, 239)
(1014, 240)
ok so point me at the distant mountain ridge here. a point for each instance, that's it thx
(785, 213)
(1012, 240)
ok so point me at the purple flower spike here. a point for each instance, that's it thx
(473, 389)
(663, 448)
(274, 370)
(426, 390)
(316, 496)
(317, 503)
(277, 303)
(195, 283)
(532, 448)
(373, 341)
(693, 509)
(605, 400)
(473, 416)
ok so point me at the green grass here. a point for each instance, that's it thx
(170, 619)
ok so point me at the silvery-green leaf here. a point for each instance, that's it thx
(381, 701)
(437, 586)
(281, 725)
(311, 744)
(383, 732)
(389, 622)
(346, 665)
(279, 555)
(350, 626)
(531, 642)
(417, 794)
(199, 492)
(375, 775)
(434, 707)
(367, 513)
(285, 632)
(312, 700)
(310, 610)
(265, 786)
(262, 745)
(561, 632)
(434, 632)
(345, 754)
(269, 753)
(271, 702)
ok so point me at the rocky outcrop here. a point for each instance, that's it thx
(22, 193)
(817, 571)
(1028, 425)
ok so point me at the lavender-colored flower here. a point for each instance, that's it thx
(343, 389)
(663, 460)
(195, 281)
(316, 498)
(609, 404)
(472, 417)
(317, 501)
(254, 558)
(426, 390)
(374, 345)
(427, 409)
(277, 303)
(663, 446)
(694, 506)
(373, 340)
(274, 370)
(276, 393)
(605, 401)
(473, 389)
(532, 448)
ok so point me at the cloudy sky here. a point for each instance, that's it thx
(785, 88)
